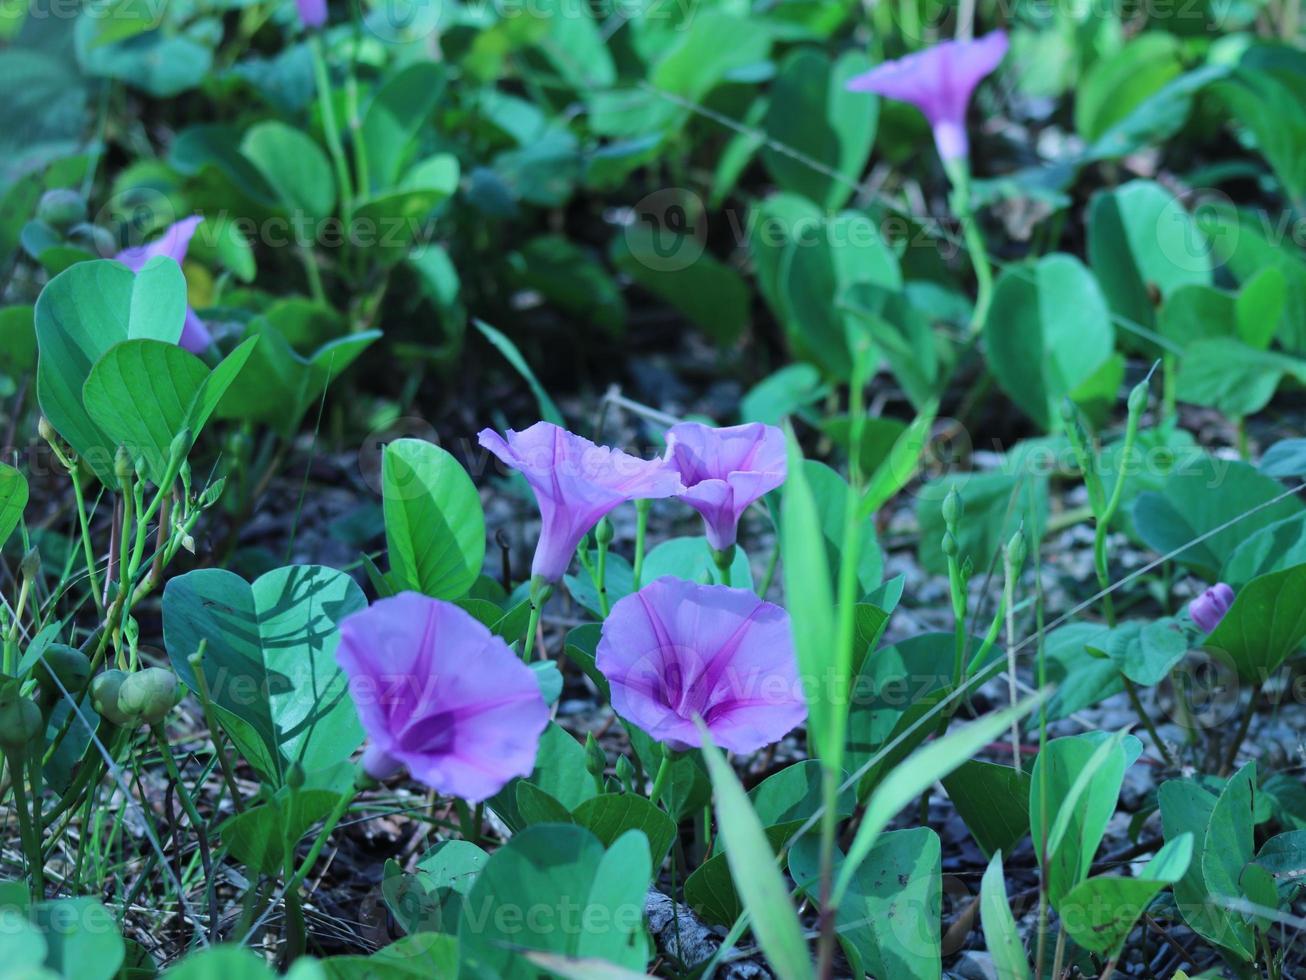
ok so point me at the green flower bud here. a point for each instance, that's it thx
(596, 761)
(46, 430)
(105, 688)
(949, 544)
(123, 467)
(148, 695)
(30, 567)
(21, 722)
(1138, 398)
(62, 208)
(604, 533)
(953, 508)
(1069, 412)
(181, 444)
(68, 665)
(93, 238)
(626, 774)
(1016, 549)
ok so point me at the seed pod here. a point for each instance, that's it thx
(61, 208)
(148, 695)
(68, 665)
(20, 722)
(105, 688)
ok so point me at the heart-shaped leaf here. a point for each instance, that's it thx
(269, 660)
(83, 312)
(143, 393)
(1265, 625)
(13, 500)
(434, 527)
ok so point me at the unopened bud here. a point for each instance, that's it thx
(1016, 549)
(949, 544)
(123, 465)
(1138, 398)
(295, 775)
(604, 533)
(61, 669)
(20, 723)
(180, 447)
(30, 567)
(105, 688)
(596, 761)
(626, 775)
(953, 508)
(61, 208)
(148, 695)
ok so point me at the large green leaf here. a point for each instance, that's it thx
(269, 660)
(755, 874)
(1143, 246)
(257, 836)
(553, 888)
(1047, 332)
(434, 527)
(812, 111)
(892, 911)
(1271, 549)
(1205, 494)
(294, 165)
(417, 957)
(993, 801)
(1117, 84)
(143, 393)
(1274, 114)
(80, 314)
(395, 116)
(82, 938)
(13, 500)
(1265, 625)
(1237, 379)
(1100, 913)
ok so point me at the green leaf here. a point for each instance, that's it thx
(82, 938)
(1101, 912)
(82, 313)
(395, 117)
(997, 503)
(1271, 549)
(1229, 844)
(1143, 246)
(222, 963)
(690, 558)
(17, 340)
(809, 591)
(830, 493)
(924, 767)
(430, 899)
(13, 500)
(610, 815)
(893, 909)
(257, 837)
(1187, 809)
(1273, 113)
(753, 868)
(1001, 937)
(811, 111)
(1079, 778)
(993, 802)
(144, 393)
(411, 958)
(294, 165)
(554, 888)
(270, 660)
(1188, 506)
(1047, 332)
(1144, 652)
(1265, 625)
(1228, 375)
(548, 411)
(434, 527)
(1118, 84)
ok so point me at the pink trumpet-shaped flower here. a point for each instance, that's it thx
(726, 470)
(1209, 608)
(938, 81)
(576, 484)
(173, 244)
(674, 651)
(312, 13)
(440, 694)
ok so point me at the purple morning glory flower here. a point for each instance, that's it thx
(576, 484)
(440, 694)
(173, 244)
(938, 81)
(312, 13)
(726, 470)
(676, 650)
(1209, 608)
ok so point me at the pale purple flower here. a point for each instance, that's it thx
(576, 484)
(312, 13)
(675, 650)
(938, 81)
(726, 470)
(1209, 608)
(440, 694)
(173, 244)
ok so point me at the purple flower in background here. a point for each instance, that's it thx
(437, 692)
(173, 244)
(1209, 608)
(576, 484)
(725, 470)
(938, 81)
(675, 650)
(312, 13)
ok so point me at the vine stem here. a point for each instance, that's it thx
(31, 837)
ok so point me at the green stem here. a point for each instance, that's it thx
(723, 560)
(1146, 719)
(641, 531)
(331, 128)
(315, 851)
(88, 548)
(959, 173)
(31, 837)
(601, 577)
(660, 780)
(540, 592)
